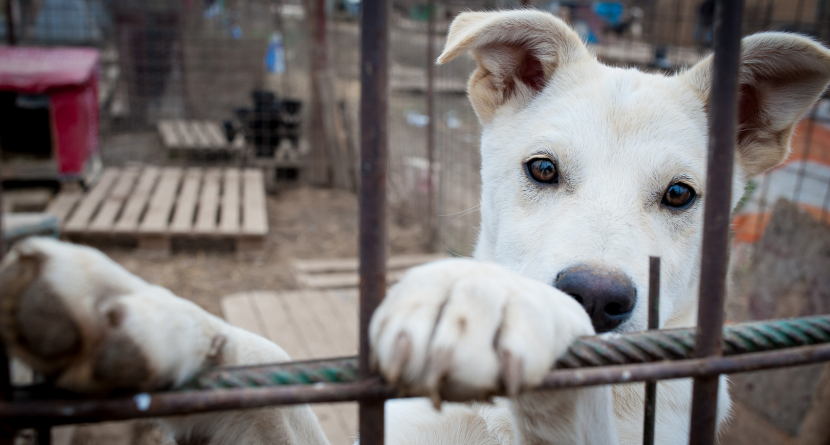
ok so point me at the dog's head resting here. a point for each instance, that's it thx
(588, 169)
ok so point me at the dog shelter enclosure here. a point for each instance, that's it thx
(202, 70)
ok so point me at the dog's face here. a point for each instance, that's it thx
(588, 170)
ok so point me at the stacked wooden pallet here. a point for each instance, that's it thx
(342, 272)
(153, 205)
(197, 136)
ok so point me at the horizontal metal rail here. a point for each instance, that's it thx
(600, 360)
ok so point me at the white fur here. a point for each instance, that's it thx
(465, 329)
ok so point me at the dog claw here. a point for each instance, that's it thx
(400, 355)
(512, 369)
(437, 368)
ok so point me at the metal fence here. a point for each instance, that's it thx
(387, 151)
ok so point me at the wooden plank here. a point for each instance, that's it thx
(286, 323)
(279, 325)
(104, 220)
(216, 134)
(341, 310)
(351, 264)
(134, 208)
(161, 202)
(80, 219)
(229, 220)
(240, 310)
(254, 210)
(183, 216)
(339, 280)
(168, 134)
(200, 134)
(62, 205)
(186, 138)
(207, 214)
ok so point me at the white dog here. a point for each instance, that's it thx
(586, 170)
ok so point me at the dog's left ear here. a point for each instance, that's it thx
(517, 53)
(781, 76)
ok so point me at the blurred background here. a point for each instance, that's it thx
(174, 133)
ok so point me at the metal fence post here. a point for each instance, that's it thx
(11, 38)
(374, 40)
(432, 226)
(717, 209)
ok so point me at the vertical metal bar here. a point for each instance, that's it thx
(374, 45)
(799, 11)
(6, 433)
(432, 227)
(653, 323)
(717, 209)
(11, 37)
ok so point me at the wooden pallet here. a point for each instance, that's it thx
(307, 325)
(155, 204)
(197, 136)
(334, 273)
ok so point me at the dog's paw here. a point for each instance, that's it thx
(461, 329)
(60, 313)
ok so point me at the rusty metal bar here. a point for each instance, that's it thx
(55, 411)
(432, 226)
(11, 37)
(716, 216)
(374, 53)
(653, 323)
(7, 432)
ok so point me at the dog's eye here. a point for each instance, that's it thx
(679, 195)
(543, 170)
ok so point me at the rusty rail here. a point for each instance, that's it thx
(716, 214)
(374, 52)
(63, 410)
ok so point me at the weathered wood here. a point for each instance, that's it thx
(304, 326)
(254, 210)
(216, 135)
(338, 280)
(89, 204)
(229, 219)
(240, 310)
(351, 264)
(62, 205)
(184, 214)
(105, 219)
(186, 137)
(199, 131)
(161, 203)
(130, 216)
(168, 134)
(207, 216)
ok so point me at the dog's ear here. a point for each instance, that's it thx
(781, 76)
(517, 53)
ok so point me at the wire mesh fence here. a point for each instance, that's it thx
(247, 67)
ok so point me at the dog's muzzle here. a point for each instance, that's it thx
(606, 294)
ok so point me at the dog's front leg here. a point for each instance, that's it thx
(90, 326)
(567, 416)
(463, 329)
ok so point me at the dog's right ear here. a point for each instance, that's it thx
(517, 53)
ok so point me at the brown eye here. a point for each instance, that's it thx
(679, 195)
(543, 170)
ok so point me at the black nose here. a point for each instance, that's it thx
(607, 295)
